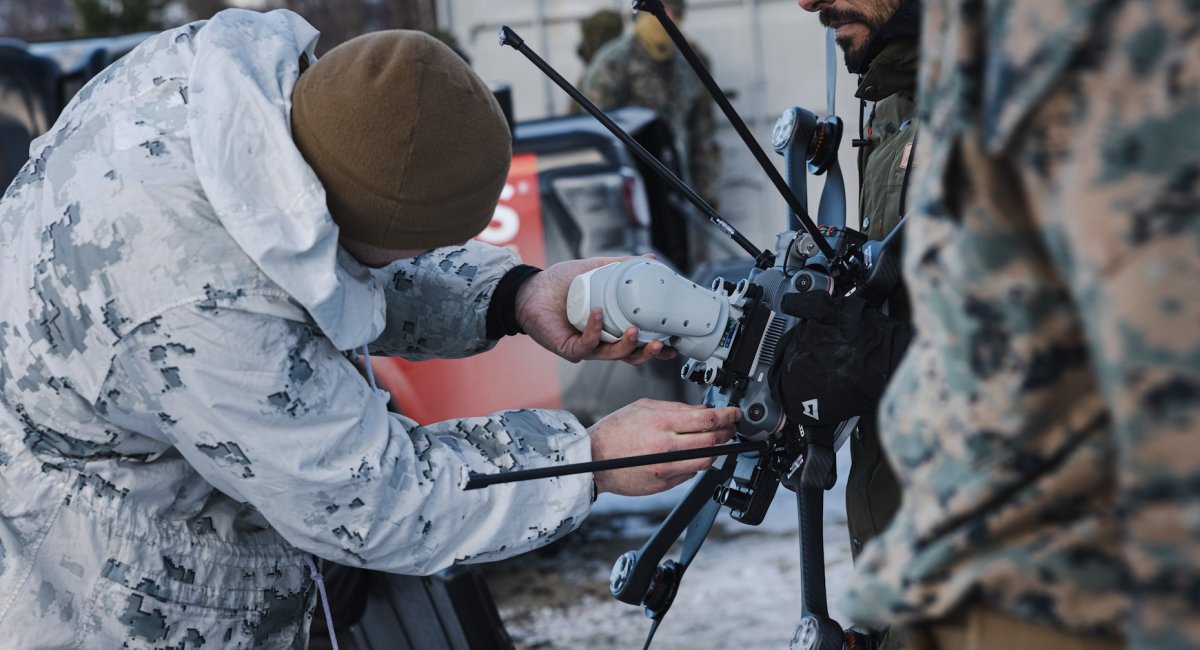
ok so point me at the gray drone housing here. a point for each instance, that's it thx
(662, 304)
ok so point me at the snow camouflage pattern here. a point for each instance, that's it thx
(1044, 422)
(177, 425)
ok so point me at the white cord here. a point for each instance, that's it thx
(312, 567)
(316, 576)
(370, 371)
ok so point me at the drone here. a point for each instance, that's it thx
(729, 333)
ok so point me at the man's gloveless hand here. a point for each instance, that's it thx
(650, 426)
(542, 313)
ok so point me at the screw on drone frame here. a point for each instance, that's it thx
(764, 258)
(656, 8)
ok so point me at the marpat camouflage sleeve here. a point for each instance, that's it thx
(704, 159)
(1044, 423)
(1111, 163)
(605, 81)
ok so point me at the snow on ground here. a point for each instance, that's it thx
(741, 591)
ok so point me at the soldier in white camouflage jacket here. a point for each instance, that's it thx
(180, 426)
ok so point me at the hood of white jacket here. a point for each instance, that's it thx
(261, 189)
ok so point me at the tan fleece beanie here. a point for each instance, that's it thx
(410, 145)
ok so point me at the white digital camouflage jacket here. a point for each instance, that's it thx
(178, 424)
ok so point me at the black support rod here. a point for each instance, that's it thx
(656, 8)
(476, 481)
(510, 38)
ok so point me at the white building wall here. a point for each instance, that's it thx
(770, 52)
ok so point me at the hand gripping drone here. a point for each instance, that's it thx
(729, 332)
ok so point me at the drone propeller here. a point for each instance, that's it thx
(830, 72)
(832, 210)
(650, 636)
(658, 604)
(810, 146)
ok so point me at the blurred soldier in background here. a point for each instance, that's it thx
(595, 31)
(644, 68)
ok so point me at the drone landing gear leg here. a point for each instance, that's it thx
(817, 472)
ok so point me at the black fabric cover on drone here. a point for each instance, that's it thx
(842, 355)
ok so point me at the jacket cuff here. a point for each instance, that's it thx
(502, 310)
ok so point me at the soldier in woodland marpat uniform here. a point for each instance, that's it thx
(1043, 423)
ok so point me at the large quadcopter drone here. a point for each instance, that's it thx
(729, 332)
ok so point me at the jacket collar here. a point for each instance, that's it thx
(893, 70)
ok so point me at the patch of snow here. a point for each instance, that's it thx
(742, 590)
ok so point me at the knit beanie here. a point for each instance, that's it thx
(409, 143)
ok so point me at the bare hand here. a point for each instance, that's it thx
(650, 427)
(542, 313)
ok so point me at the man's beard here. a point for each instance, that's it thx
(854, 57)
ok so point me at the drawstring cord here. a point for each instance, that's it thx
(315, 573)
(370, 371)
(316, 576)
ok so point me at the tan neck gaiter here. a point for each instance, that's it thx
(653, 37)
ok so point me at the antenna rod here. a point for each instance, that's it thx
(656, 8)
(510, 38)
(476, 480)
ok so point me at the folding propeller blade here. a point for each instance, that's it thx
(830, 73)
(693, 538)
(656, 8)
(832, 209)
(649, 637)
(697, 532)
